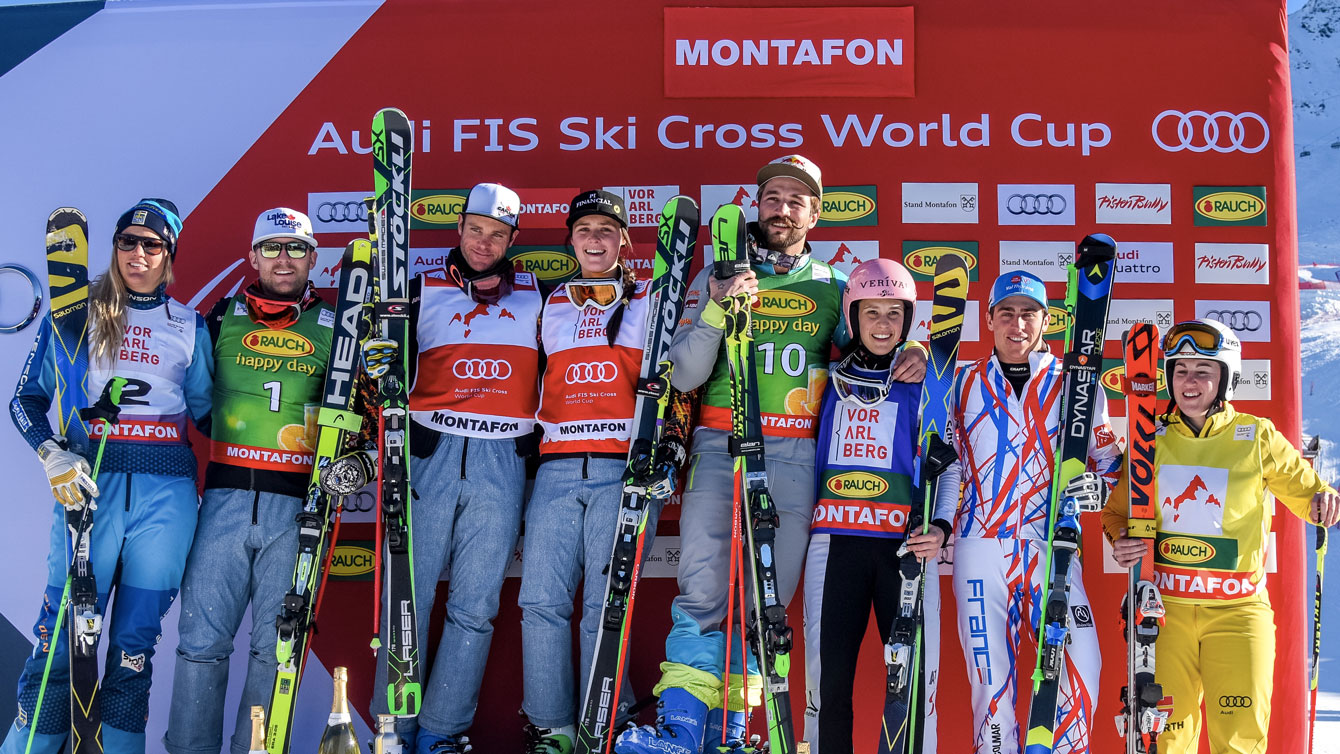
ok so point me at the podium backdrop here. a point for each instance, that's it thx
(1001, 131)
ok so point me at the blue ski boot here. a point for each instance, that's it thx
(678, 729)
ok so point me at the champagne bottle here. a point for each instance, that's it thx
(257, 730)
(387, 740)
(339, 737)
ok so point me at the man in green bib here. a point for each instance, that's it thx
(797, 312)
(271, 348)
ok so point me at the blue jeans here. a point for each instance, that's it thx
(699, 612)
(570, 524)
(245, 547)
(465, 517)
(143, 525)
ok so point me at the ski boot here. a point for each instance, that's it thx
(678, 729)
(549, 740)
(429, 742)
(737, 726)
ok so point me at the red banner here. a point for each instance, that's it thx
(1031, 125)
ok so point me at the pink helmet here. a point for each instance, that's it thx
(879, 278)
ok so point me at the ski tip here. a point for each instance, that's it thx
(950, 262)
(62, 216)
(1099, 246)
(728, 213)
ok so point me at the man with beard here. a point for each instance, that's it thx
(791, 367)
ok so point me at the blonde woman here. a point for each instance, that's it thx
(146, 493)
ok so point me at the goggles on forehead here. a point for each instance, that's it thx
(602, 294)
(1200, 338)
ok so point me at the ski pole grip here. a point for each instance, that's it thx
(108, 407)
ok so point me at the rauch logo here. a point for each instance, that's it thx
(1186, 550)
(842, 206)
(1058, 320)
(857, 484)
(277, 343)
(923, 260)
(784, 304)
(1230, 205)
(351, 560)
(437, 209)
(546, 265)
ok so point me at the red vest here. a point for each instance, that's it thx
(477, 364)
(589, 386)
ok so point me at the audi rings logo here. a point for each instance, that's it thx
(1200, 131)
(359, 502)
(342, 212)
(591, 371)
(482, 369)
(1243, 320)
(1035, 204)
(1239, 702)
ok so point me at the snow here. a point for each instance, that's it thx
(1314, 34)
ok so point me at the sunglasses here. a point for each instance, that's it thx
(152, 246)
(271, 249)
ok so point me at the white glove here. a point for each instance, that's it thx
(68, 474)
(1088, 491)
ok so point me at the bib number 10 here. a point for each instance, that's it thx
(792, 358)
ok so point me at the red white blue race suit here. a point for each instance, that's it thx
(1006, 446)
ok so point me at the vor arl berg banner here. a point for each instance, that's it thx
(1000, 132)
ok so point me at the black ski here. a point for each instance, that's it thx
(1087, 296)
(676, 240)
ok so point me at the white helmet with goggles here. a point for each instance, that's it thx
(1206, 339)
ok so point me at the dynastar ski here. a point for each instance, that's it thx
(392, 149)
(67, 281)
(337, 421)
(1087, 295)
(902, 732)
(1141, 719)
(676, 239)
(770, 637)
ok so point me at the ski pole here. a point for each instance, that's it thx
(1316, 635)
(108, 414)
